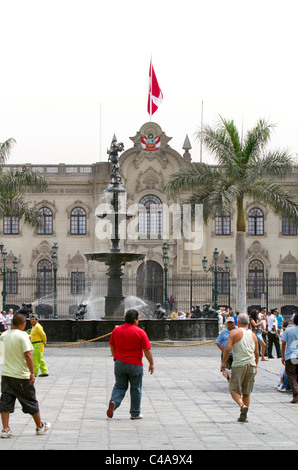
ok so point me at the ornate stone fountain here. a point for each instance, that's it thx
(115, 259)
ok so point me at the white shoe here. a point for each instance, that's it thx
(6, 434)
(137, 417)
(44, 429)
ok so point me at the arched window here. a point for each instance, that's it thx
(150, 215)
(256, 222)
(78, 221)
(46, 227)
(150, 281)
(256, 280)
(44, 278)
(222, 225)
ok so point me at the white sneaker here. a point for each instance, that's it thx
(137, 417)
(6, 434)
(43, 430)
(279, 387)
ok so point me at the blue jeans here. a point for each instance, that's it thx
(128, 374)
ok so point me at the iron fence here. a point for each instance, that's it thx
(187, 290)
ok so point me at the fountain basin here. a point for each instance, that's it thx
(69, 331)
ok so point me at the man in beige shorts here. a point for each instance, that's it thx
(245, 349)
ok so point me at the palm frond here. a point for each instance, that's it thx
(17, 181)
(5, 149)
(256, 139)
(191, 177)
(281, 201)
(17, 206)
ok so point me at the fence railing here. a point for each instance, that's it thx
(187, 291)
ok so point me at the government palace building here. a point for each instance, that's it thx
(76, 194)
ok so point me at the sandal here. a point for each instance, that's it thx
(243, 412)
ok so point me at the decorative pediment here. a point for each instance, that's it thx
(77, 259)
(150, 138)
(44, 250)
(150, 179)
(288, 259)
(256, 250)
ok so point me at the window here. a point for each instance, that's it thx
(78, 283)
(256, 281)
(46, 227)
(288, 228)
(44, 278)
(223, 281)
(78, 221)
(12, 282)
(222, 225)
(289, 284)
(150, 215)
(256, 222)
(10, 225)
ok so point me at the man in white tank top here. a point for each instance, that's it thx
(245, 349)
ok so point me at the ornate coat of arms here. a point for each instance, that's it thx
(150, 143)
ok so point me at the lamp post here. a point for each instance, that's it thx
(215, 269)
(55, 263)
(5, 270)
(166, 264)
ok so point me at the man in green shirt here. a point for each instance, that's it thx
(18, 377)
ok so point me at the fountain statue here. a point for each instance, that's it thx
(115, 259)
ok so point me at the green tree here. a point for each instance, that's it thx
(244, 169)
(13, 186)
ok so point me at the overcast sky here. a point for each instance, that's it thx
(74, 72)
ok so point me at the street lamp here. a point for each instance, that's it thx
(166, 264)
(55, 263)
(215, 269)
(5, 270)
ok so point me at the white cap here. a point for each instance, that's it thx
(230, 319)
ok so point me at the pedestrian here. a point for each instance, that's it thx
(18, 378)
(256, 327)
(263, 318)
(8, 318)
(273, 337)
(171, 302)
(2, 321)
(289, 347)
(245, 360)
(279, 319)
(174, 314)
(38, 340)
(127, 343)
(221, 342)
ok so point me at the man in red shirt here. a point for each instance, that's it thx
(127, 344)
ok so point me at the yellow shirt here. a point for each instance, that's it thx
(38, 334)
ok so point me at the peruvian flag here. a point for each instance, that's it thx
(155, 95)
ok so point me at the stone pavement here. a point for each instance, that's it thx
(186, 405)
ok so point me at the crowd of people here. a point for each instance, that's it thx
(244, 338)
(5, 320)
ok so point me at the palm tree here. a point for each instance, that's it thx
(13, 185)
(244, 169)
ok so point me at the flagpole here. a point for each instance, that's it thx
(201, 152)
(151, 89)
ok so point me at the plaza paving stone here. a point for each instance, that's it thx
(186, 405)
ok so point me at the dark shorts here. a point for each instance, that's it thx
(12, 389)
